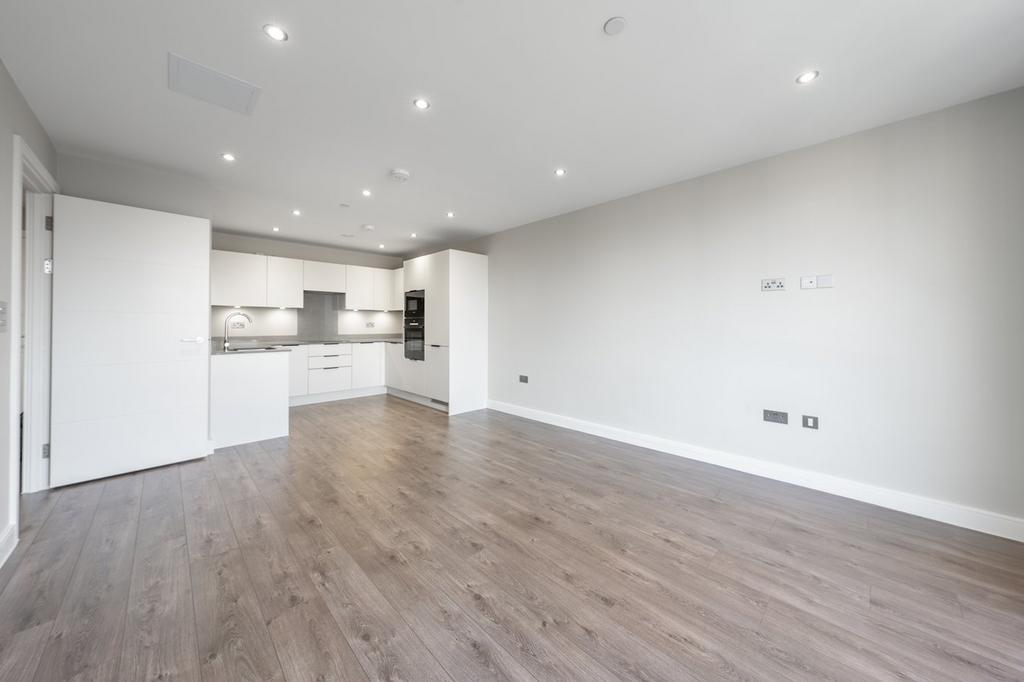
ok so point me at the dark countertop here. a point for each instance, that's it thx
(252, 342)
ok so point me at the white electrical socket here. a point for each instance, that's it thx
(809, 282)
(774, 284)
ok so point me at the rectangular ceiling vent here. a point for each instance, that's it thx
(202, 83)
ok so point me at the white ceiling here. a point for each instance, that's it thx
(517, 87)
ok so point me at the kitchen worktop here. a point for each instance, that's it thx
(253, 344)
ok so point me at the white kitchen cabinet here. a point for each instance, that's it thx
(383, 289)
(398, 290)
(368, 364)
(298, 371)
(394, 357)
(436, 372)
(238, 279)
(284, 282)
(415, 273)
(359, 295)
(435, 291)
(330, 277)
(415, 373)
(330, 379)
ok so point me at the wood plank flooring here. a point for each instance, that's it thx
(384, 541)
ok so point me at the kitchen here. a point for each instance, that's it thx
(289, 331)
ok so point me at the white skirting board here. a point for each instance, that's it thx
(8, 541)
(973, 518)
(314, 398)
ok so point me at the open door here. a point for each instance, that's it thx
(130, 365)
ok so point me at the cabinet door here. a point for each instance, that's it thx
(398, 289)
(437, 372)
(382, 289)
(416, 376)
(298, 371)
(359, 295)
(367, 365)
(330, 277)
(284, 282)
(435, 293)
(330, 379)
(394, 356)
(415, 273)
(238, 279)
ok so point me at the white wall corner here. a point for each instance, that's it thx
(8, 541)
(963, 516)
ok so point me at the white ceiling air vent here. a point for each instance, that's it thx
(202, 83)
(400, 175)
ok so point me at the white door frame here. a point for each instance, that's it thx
(35, 425)
(29, 174)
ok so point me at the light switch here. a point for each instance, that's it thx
(809, 282)
(824, 281)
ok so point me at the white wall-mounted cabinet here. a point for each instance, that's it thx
(284, 282)
(359, 295)
(398, 290)
(238, 279)
(383, 289)
(329, 277)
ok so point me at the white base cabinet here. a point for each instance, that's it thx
(367, 364)
(436, 372)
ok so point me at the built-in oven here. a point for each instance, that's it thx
(414, 325)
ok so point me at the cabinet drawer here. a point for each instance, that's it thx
(315, 349)
(324, 361)
(328, 380)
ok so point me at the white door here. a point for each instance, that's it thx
(130, 364)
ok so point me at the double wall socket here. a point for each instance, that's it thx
(773, 284)
(776, 416)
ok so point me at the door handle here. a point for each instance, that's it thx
(192, 339)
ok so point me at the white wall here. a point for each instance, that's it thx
(15, 119)
(645, 313)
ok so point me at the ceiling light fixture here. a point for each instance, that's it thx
(369, 228)
(615, 26)
(560, 172)
(283, 308)
(367, 193)
(275, 32)
(380, 246)
(228, 156)
(807, 77)
(296, 212)
(421, 104)
(276, 229)
(451, 214)
(413, 235)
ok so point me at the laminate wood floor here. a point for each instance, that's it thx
(385, 541)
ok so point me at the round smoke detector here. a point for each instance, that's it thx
(400, 175)
(615, 26)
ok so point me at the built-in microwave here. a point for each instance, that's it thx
(414, 304)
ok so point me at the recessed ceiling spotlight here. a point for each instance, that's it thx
(344, 205)
(296, 212)
(560, 172)
(228, 156)
(367, 193)
(276, 229)
(369, 228)
(275, 32)
(615, 26)
(413, 235)
(451, 214)
(421, 104)
(380, 246)
(807, 77)
(283, 308)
